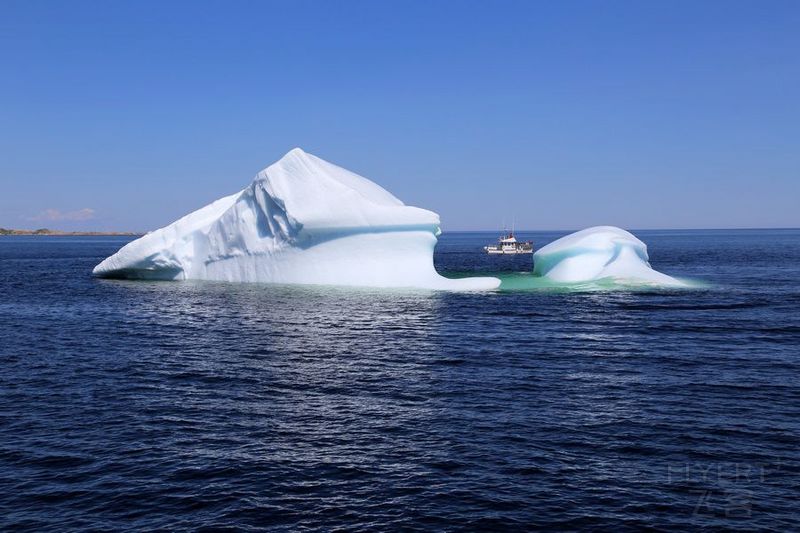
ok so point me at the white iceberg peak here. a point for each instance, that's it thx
(302, 220)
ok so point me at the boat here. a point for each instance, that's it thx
(508, 244)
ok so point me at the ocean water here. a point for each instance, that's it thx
(180, 405)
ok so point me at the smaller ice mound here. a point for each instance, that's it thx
(601, 252)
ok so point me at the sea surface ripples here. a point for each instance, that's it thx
(176, 405)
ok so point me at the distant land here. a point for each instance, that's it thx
(45, 231)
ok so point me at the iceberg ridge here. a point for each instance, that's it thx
(301, 220)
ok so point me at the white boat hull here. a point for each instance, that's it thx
(494, 251)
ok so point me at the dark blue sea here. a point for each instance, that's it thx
(201, 405)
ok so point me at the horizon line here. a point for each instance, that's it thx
(635, 229)
(134, 233)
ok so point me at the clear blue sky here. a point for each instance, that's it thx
(671, 114)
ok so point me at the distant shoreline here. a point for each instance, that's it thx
(55, 232)
(59, 233)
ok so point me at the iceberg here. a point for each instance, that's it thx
(302, 220)
(601, 252)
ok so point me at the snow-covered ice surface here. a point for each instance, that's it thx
(599, 253)
(302, 220)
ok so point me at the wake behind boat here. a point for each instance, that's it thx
(507, 244)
